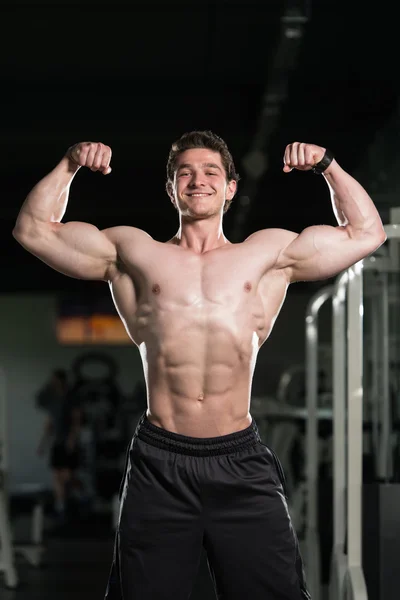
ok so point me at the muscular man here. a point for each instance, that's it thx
(199, 308)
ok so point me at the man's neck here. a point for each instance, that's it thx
(200, 236)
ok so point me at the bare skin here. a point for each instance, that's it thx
(198, 307)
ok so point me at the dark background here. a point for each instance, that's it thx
(136, 75)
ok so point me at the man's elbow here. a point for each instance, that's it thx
(21, 236)
(18, 233)
(23, 228)
(378, 236)
(374, 240)
(373, 236)
(27, 232)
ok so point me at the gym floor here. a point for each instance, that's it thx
(76, 565)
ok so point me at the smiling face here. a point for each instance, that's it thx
(200, 187)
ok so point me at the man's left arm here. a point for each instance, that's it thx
(322, 251)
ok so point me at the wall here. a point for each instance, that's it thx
(29, 351)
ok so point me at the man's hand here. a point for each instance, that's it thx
(302, 156)
(94, 155)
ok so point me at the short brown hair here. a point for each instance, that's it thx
(202, 139)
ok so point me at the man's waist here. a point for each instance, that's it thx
(239, 439)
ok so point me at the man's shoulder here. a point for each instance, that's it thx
(121, 233)
(278, 238)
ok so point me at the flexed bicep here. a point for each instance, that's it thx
(76, 249)
(323, 251)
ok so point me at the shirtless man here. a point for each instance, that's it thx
(199, 308)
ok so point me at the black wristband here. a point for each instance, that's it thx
(324, 163)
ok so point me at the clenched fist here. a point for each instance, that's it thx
(95, 155)
(302, 156)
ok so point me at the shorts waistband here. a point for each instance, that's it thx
(193, 446)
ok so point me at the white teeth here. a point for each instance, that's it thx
(200, 195)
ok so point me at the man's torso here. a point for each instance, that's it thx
(199, 320)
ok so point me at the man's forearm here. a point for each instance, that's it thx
(47, 201)
(351, 203)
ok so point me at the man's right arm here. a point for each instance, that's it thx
(76, 249)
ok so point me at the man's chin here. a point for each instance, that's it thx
(198, 211)
(198, 215)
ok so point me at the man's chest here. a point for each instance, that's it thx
(219, 277)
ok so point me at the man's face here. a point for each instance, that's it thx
(200, 187)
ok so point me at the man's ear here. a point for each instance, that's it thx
(231, 189)
(170, 191)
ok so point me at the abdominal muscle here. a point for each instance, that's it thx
(198, 374)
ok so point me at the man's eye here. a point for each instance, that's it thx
(209, 173)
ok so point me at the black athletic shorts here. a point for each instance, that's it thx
(62, 458)
(225, 494)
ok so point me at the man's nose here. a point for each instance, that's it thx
(197, 179)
